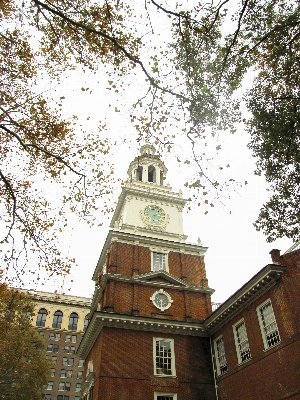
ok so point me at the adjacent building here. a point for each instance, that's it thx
(61, 320)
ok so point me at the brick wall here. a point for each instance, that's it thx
(129, 260)
(273, 373)
(124, 369)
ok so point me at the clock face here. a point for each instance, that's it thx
(161, 300)
(155, 215)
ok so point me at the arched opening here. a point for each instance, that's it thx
(161, 178)
(139, 173)
(57, 319)
(41, 317)
(73, 321)
(151, 174)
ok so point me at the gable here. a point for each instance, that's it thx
(161, 277)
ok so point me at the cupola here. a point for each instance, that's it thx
(147, 167)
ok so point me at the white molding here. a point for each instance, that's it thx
(264, 280)
(101, 320)
(161, 308)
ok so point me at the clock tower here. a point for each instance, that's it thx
(146, 337)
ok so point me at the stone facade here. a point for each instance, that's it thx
(62, 337)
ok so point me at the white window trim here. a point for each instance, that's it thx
(166, 260)
(217, 358)
(173, 374)
(237, 342)
(262, 330)
(156, 394)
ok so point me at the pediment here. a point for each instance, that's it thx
(161, 277)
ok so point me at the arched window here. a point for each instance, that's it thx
(151, 174)
(161, 178)
(41, 317)
(86, 322)
(57, 319)
(73, 321)
(139, 173)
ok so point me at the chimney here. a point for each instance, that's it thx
(275, 255)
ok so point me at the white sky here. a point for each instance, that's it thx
(235, 250)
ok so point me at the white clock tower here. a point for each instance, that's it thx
(147, 206)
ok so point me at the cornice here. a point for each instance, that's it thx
(48, 297)
(265, 279)
(148, 191)
(111, 320)
(145, 241)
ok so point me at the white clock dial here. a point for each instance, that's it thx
(161, 300)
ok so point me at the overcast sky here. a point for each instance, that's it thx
(235, 250)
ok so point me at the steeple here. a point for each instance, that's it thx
(147, 167)
(147, 206)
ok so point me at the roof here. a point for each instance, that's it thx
(294, 247)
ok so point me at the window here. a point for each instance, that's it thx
(79, 374)
(77, 398)
(52, 370)
(86, 322)
(53, 347)
(57, 319)
(69, 349)
(80, 363)
(221, 362)
(68, 361)
(46, 397)
(71, 338)
(73, 321)
(49, 386)
(165, 396)
(151, 174)
(54, 336)
(268, 325)
(63, 373)
(66, 373)
(164, 357)
(62, 397)
(54, 359)
(41, 317)
(139, 173)
(42, 333)
(241, 341)
(64, 386)
(69, 373)
(78, 387)
(159, 262)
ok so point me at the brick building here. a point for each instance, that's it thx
(256, 334)
(61, 320)
(152, 333)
